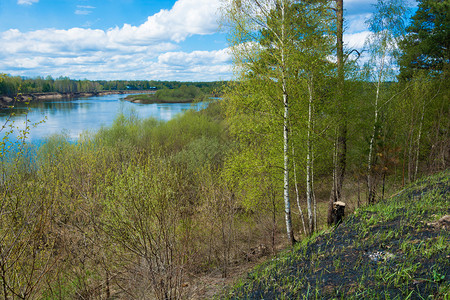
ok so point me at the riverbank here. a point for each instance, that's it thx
(6, 101)
(77, 115)
(184, 94)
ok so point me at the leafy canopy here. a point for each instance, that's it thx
(427, 45)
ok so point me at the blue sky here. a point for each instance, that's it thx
(128, 39)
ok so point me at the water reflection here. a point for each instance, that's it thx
(83, 114)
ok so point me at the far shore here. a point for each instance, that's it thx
(6, 101)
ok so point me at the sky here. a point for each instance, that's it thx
(129, 39)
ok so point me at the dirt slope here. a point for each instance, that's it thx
(396, 249)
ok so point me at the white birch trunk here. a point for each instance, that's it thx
(309, 162)
(302, 217)
(287, 204)
(418, 141)
(370, 180)
(312, 188)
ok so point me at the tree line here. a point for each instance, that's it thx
(12, 85)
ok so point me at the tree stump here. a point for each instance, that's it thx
(338, 212)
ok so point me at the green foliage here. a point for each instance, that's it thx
(141, 212)
(201, 152)
(26, 236)
(387, 28)
(183, 94)
(133, 135)
(119, 201)
(11, 85)
(254, 106)
(427, 43)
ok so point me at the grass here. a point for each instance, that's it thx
(151, 98)
(184, 94)
(385, 251)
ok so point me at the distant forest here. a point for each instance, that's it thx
(12, 85)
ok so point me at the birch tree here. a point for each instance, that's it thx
(276, 46)
(387, 28)
(261, 50)
(313, 44)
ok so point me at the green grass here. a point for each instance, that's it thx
(184, 94)
(413, 256)
(151, 98)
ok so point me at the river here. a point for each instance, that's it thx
(75, 116)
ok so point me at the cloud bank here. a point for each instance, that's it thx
(151, 50)
(146, 51)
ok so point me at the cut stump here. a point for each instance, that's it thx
(338, 212)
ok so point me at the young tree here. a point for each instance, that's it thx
(142, 214)
(387, 28)
(424, 64)
(279, 48)
(27, 242)
(261, 46)
(313, 45)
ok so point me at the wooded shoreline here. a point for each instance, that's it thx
(6, 101)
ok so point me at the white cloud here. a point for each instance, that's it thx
(82, 12)
(195, 58)
(357, 23)
(196, 65)
(186, 18)
(84, 9)
(200, 66)
(360, 1)
(27, 2)
(356, 40)
(128, 52)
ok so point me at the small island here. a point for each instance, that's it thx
(183, 94)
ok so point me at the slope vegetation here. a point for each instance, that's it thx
(396, 249)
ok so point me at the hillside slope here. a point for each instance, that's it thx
(396, 249)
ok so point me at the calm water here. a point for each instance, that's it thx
(84, 114)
